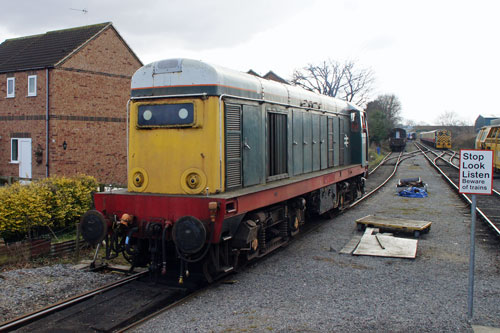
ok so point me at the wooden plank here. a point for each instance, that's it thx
(351, 245)
(394, 223)
(394, 247)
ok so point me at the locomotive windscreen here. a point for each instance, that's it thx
(166, 115)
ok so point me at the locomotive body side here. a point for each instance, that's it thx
(223, 165)
(488, 138)
(429, 138)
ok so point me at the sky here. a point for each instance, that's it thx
(436, 56)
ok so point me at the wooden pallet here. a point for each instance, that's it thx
(395, 224)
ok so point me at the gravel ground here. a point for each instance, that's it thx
(310, 287)
(26, 290)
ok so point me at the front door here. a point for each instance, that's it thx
(25, 158)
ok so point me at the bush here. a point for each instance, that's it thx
(51, 202)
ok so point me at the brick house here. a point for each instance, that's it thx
(63, 97)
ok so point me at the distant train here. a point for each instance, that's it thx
(440, 139)
(488, 138)
(412, 136)
(397, 139)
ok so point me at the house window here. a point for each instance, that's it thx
(11, 87)
(32, 85)
(14, 151)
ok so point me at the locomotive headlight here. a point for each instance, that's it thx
(183, 113)
(189, 234)
(147, 115)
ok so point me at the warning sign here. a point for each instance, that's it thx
(476, 171)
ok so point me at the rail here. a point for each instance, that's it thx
(479, 211)
(37, 315)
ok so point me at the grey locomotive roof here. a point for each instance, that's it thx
(186, 76)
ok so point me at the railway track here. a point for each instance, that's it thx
(125, 304)
(105, 309)
(488, 206)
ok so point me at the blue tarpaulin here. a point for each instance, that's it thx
(414, 192)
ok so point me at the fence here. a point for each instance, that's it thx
(26, 250)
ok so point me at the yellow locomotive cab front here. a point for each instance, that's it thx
(174, 146)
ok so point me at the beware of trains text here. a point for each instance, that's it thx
(476, 171)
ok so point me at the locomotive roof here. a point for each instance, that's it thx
(186, 76)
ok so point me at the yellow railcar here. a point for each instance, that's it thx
(488, 138)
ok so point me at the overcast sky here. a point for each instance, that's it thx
(435, 55)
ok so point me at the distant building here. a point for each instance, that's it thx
(63, 97)
(269, 76)
(483, 121)
(275, 77)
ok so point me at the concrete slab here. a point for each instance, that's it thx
(485, 329)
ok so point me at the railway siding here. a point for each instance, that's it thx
(310, 286)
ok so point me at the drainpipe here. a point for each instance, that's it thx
(47, 122)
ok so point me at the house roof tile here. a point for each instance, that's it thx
(44, 50)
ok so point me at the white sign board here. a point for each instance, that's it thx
(476, 171)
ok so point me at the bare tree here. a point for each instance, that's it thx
(334, 79)
(450, 118)
(391, 106)
(383, 114)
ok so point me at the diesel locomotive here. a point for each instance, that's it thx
(440, 139)
(224, 167)
(488, 138)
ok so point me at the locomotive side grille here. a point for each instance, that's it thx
(233, 145)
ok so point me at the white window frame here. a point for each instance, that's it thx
(13, 80)
(31, 93)
(12, 160)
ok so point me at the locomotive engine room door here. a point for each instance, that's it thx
(342, 140)
(316, 150)
(307, 142)
(252, 140)
(297, 149)
(323, 143)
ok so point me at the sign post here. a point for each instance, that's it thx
(476, 177)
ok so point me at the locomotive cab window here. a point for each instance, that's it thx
(354, 121)
(277, 145)
(166, 115)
